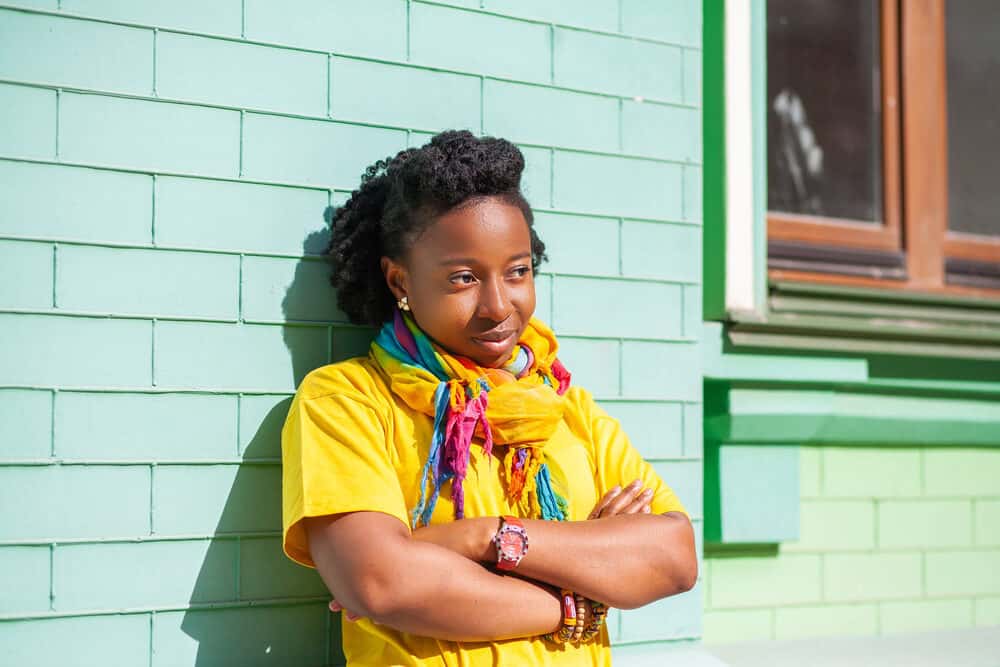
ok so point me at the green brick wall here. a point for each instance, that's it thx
(164, 171)
(900, 539)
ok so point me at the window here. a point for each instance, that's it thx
(883, 142)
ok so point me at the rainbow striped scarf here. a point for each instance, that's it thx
(518, 406)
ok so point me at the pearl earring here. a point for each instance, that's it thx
(403, 305)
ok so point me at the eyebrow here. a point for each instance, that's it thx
(471, 260)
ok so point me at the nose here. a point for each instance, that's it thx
(494, 301)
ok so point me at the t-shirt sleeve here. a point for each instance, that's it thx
(335, 459)
(619, 463)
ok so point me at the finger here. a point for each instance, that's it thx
(623, 499)
(608, 497)
(640, 503)
(335, 606)
(351, 616)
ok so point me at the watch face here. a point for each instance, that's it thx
(511, 544)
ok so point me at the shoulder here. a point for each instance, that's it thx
(582, 414)
(358, 379)
(580, 405)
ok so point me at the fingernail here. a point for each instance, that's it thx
(634, 484)
(646, 510)
(648, 493)
(616, 488)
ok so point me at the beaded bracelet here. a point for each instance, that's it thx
(598, 612)
(574, 629)
(565, 632)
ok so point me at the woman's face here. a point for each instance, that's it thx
(468, 280)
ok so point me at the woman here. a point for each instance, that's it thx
(416, 478)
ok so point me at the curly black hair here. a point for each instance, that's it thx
(401, 196)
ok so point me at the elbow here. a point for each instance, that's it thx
(375, 596)
(686, 576)
(683, 558)
(676, 569)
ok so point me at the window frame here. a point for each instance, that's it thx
(913, 250)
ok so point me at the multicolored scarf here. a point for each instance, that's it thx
(518, 405)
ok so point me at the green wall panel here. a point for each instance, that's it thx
(165, 176)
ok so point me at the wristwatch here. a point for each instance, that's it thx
(511, 542)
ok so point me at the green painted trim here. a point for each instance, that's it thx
(853, 321)
(849, 345)
(844, 415)
(714, 169)
(886, 295)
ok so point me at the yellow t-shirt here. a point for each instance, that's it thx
(349, 445)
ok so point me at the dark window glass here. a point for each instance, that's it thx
(824, 108)
(973, 35)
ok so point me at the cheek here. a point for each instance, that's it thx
(526, 300)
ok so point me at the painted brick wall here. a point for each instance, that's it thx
(893, 540)
(164, 172)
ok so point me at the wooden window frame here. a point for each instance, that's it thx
(913, 249)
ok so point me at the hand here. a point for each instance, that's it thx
(472, 538)
(349, 615)
(633, 499)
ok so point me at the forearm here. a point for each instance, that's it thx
(625, 561)
(449, 597)
(429, 590)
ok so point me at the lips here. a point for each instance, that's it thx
(495, 336)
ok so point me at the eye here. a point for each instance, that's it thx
(464, 278)
(521, 271)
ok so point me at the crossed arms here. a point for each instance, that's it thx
(432, 582)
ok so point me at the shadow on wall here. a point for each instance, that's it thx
(274, 612)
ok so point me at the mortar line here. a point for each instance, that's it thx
(52, 424)
(243, 19)
(58, 113)
(239, 419)
(239, 291)
(621, 17)
(156, 34)
(408, 23)
(552, 53)
(152, 617)
(242, 118)
(152, 216)
(52, 577)
(55, 275)
(152, 352)
(152, 498)
(228, 37)
(329, 86)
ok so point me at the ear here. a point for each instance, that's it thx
(395, 277)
